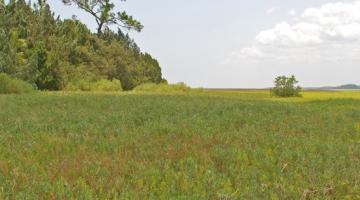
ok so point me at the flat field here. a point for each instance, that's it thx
(196, 145)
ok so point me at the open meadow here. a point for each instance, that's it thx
(187, 145)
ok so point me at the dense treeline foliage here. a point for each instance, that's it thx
(55, 54)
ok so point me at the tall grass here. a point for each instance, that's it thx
(9, 85)
(213, 145)
(163, 88)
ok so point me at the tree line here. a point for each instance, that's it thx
(54, 54)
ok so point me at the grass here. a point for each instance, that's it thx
(163, 88)
(196, 145)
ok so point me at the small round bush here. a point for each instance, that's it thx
(286, 87)
(9, 85)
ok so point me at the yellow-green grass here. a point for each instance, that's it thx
(192, 145)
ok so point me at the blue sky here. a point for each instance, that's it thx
(245, 44)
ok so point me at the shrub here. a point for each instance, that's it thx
(9, 85)
(163, 87)
(78, 85)
(102, 85)
(106, 85)
(286, 87)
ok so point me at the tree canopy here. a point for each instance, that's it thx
(52, 54)
(286, 87)
(104, 14)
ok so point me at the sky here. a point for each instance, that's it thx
(245, 44)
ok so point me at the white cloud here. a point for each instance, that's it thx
(252, 52)
(284, 34)
(332, 30)
(271, 10)
(292, 12)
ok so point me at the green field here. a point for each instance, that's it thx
(198, 145)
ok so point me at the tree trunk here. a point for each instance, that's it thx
(99, 29)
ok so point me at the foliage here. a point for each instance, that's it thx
(163, 87)
(286, 87)
(213, 145)
(102, 11)
(52, 53)
(106, 85)
(102, 85)
(10, 85)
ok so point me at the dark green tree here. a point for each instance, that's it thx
(286, 87)
(52, 54)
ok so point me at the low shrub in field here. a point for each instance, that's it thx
(9, 85)
(79, 85)
(106, 85)
(286, 87)
(163, 87)
(102, 85)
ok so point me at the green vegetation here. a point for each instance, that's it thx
(208, 145)
(104, 14)
(10, 85)
(161, 141)
(286, 87)
(102, 85)
(52, 54)
(163, 87)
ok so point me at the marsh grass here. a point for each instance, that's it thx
(206, 145)
(163, 88)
